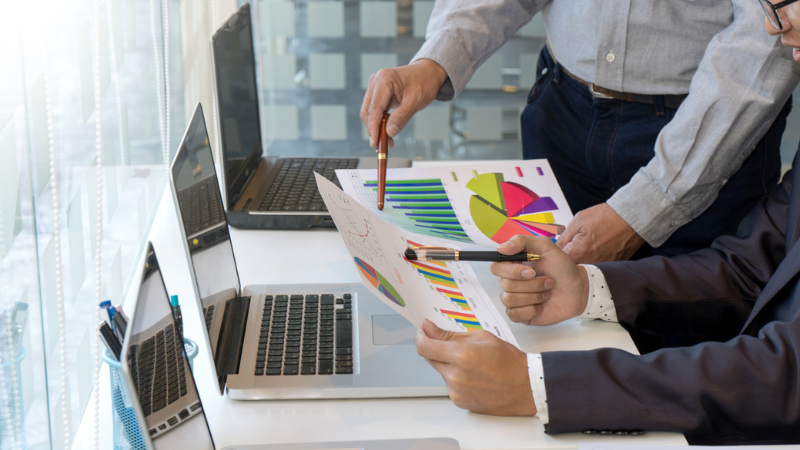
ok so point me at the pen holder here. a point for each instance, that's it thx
(127, 435)
(12, 410)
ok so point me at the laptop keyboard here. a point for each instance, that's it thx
(295, 188)
(306, 335)
(205, 206)
(158, 372)
(208, 315)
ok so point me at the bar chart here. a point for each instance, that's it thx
(422, 203)
(443, 282)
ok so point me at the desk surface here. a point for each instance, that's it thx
(267, 257)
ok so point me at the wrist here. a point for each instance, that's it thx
(432, 71)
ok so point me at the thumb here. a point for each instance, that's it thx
(400, 116)
(434, 332)
(569, 233)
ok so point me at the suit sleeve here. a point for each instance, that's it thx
(744, 389)
(708, 293)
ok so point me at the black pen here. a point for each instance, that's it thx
(449, 254)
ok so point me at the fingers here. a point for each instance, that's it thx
(520, 299)
(524, 314)
(364, 113)
(536, 285)
(433, 348)
(573, 228)
(512, 270)
(434, 332)
(383, 90)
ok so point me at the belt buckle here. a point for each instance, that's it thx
(598, 94)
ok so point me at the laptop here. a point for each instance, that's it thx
(286, 341)
(263, 192)
(155, 372)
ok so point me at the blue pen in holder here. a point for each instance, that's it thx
(127, 435)
(15, 412)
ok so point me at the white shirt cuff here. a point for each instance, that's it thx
(536, 375)
(600, 305)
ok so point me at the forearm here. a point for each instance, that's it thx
(462, 34)
(741, 84)
(663, 295)
(713, 392)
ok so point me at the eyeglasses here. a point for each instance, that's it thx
(772, 11)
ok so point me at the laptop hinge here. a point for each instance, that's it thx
(237, 335)
(231, 338)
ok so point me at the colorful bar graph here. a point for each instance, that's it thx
(425, 204)
(437, 274)
(469, 321)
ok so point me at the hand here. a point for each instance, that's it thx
(599, 234)
(543, 292)
(406, 90)
(483, 373)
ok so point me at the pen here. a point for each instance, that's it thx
(176, 312)
(110, 340)
(383, 151)
(449, 254)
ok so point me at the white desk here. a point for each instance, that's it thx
(269, 257)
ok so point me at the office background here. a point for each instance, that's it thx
(94, 96)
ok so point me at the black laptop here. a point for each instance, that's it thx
(262, 192)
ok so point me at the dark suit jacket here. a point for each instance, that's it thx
(745, 291)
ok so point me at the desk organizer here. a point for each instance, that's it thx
(12, 415)
(127, 435)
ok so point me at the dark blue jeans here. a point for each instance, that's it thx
(596, 145)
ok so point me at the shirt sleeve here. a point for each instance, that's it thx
(536, 375)
(740, 86)
(600, 306)
(462, 34)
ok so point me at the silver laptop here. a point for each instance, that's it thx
(263, 192)
(286, 341)
(151, 344)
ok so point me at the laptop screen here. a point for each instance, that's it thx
(155, 362)
(237, 99)
(200, 210)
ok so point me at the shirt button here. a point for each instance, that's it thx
(723, 181)
(676, 222)
(544, 71)
(610, 57)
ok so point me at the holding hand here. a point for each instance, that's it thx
(483, 373)
(599, 234)
(406, 90)
(543, 292)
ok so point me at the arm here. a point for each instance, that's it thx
(714, 393)
(663, 295)
(462, 34)
(744, 79)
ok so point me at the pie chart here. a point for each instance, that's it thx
(378, 281)
(502, 209)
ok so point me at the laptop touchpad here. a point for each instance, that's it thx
(392, 329)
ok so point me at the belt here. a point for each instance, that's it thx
(670, 101)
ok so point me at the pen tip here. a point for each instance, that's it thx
(411, 254)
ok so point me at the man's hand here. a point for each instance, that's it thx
(599, 234)
(543, 292)
(483, 373)
(406, 90)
